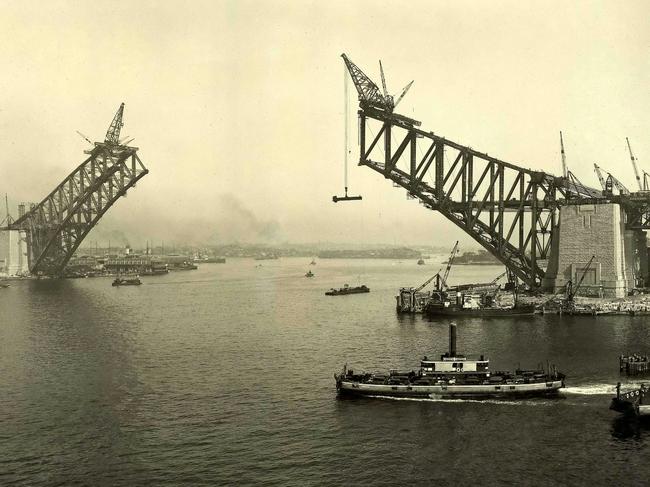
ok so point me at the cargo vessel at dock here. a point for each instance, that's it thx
(453, 376)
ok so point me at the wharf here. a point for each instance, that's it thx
(630, 306)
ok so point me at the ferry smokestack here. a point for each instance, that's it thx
(452, 340)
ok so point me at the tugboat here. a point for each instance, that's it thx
(453, 376)
(309, 274)
(632, 403)
(126, 282)
(346, 289)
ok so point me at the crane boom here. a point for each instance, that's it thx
(449, 264)
(368, 91)
(422, 286)
(564, 168)
(113, 132)
(636, 169)
(600, 176)
(572, 291)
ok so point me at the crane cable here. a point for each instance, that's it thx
(346, 116)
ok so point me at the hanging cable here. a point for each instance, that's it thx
(346, 116)
(346, 128)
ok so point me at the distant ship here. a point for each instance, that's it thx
(453, 376)
(346, 289)
(126, 282)
(266, 257)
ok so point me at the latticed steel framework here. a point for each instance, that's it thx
(510, 210)
(57, 225)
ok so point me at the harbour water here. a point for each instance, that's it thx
(224, 376)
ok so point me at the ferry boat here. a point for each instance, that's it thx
(453, 376)
(632, 403)
(346, 289)
(126, 282)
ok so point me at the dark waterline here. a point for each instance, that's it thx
(224, 376)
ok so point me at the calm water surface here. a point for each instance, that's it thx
(224, 376)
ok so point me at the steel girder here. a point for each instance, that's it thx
(510, 210)
(57, 225)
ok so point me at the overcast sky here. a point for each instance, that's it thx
(237, 107)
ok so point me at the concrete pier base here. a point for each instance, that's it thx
(13, 253)
(621, 256)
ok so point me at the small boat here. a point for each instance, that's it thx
(3, 285)
(126, 282)
(310, 274)
(346, 289)
(632, 403)
(313, 262)
(421, 262)
(453, 376)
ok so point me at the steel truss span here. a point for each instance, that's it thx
(57, 225)
(510, 210)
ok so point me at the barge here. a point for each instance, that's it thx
(126, 282)
(346, 289)
(453, 376)
(475, 302)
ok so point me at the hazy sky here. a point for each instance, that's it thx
(237, 107)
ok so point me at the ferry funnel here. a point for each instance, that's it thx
(452, 340)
